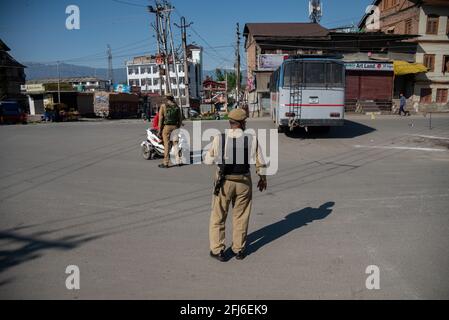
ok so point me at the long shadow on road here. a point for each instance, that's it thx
(28, 248)
(291, 222)
(350, 129)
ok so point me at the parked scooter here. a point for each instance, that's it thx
(153, 147)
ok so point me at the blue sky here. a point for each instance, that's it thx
(35, 29)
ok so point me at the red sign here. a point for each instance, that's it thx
(159, 60)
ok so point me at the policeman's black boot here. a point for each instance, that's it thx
(240, 255)
(220, 256)
(163, 166)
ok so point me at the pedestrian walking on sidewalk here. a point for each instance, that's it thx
(402, 104)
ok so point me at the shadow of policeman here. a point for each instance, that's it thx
(292, 221)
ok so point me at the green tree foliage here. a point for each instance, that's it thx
(220, 75)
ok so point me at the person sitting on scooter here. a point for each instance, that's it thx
(155, 123)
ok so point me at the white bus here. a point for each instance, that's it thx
(308, 91)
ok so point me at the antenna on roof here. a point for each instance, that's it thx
(315, 10)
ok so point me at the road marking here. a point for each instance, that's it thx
(429, 137)
(401, 148)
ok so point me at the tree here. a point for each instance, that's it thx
(219, 76)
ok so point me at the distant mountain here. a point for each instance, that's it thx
(36, 71)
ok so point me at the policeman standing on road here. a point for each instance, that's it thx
(170, 119)
(233, 151)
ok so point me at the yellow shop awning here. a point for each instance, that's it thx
(403, 67)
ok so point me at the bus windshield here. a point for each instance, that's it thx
(312, 74)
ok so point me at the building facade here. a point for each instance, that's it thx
(428, 20)
(145, 73)
(12, 75)
(82, 84)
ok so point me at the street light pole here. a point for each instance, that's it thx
(59, 83)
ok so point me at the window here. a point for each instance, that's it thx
(180, 68)
(441, 95)
(429, 61)
(171, 68)
(334, 74)
(143, 82)
(432, 24)
(445, 64)
(133, 70)
(408, 26)
(155, 81)
(426, 95)
(292, 74)
(314, 74)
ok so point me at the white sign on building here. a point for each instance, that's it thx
(373, 66)
(270, 62)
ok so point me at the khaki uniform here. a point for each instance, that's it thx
(236, 191)
(166, 134)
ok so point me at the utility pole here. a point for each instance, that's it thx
(158, 39)
(110, 70)
(226, 91)
(163, 21)
(59, 84)
(162, 12)
(237, 71)
(175, 67)
(183, 27)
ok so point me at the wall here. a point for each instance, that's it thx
(396, 17)
(432, 44)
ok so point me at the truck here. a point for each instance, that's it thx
(115, 105)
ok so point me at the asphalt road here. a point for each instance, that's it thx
(375, 192)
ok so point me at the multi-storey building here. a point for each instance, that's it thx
(12, 75)
(428, 20)
(145, 73)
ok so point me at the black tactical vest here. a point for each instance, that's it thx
(237, 152)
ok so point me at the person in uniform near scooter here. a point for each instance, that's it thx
(170, 119)
(233, 152)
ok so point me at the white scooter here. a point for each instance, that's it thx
(153, 147)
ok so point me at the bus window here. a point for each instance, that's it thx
(315, 74)
(335, 75)
(292, 74)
